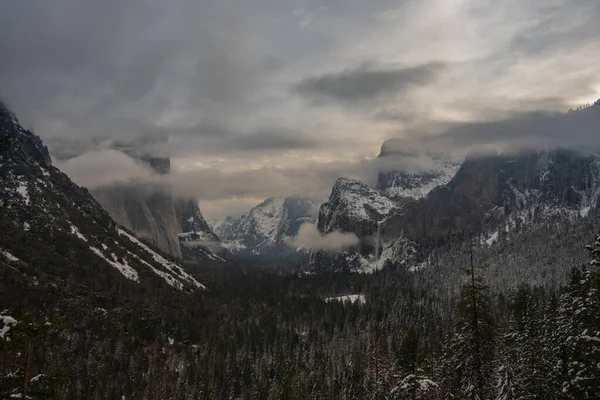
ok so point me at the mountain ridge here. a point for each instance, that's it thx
(64, 228)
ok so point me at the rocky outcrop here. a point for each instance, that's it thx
(354, 207)
(197, 240)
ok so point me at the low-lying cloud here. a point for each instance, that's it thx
(310, 238)
(577, 129)
(104, 167)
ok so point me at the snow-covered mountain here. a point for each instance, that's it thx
(522, 211)
(411, 173)
(532, 207)
(52, 227)
(262, 231)
(354, 207)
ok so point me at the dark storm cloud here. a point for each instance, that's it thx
(351, 86)
(576, 129)
(80, 69)
(203, 139)
(210, 138)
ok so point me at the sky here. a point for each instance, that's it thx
(264, 98)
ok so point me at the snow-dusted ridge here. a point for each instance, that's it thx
(123, 267)
(42, 204)
(172, 267)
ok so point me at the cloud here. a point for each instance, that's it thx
(206, 139)
(577, 129)
(310, 238)
(364, 84)
(228, 82)
(104, 167)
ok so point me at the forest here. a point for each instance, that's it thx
(272, 333)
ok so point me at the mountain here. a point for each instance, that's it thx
(53, 228)
(527, 216)
(354, 207)
(261, 232)
(514, 190)
(411, 173)
(523, 214)
(172, 223)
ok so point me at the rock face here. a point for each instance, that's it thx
(149, 211)
(261, 232)
(528, 187)
(52, 226)
(173, 224)
(532, 208)
(197, 241)
(526, 215)
(410, 173)
(354, 207)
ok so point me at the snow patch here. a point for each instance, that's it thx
(7, 323)
(8, 255)
(76, 232)
(492, 239)
(125, 269)
(22, 190)
(172, 267)
(349, 298)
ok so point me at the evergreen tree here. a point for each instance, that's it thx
(470, 366)
(579, 330)
(504, 388)
(415, 387)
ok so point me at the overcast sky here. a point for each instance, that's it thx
(277, 97)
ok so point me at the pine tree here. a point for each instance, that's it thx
(579, 332)
(469, 369)
(504, 388)
(525, 346)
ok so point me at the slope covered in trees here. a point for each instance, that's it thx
(262, 334)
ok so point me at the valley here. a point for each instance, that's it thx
(299, 200)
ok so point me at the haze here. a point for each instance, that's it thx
(272, 98)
